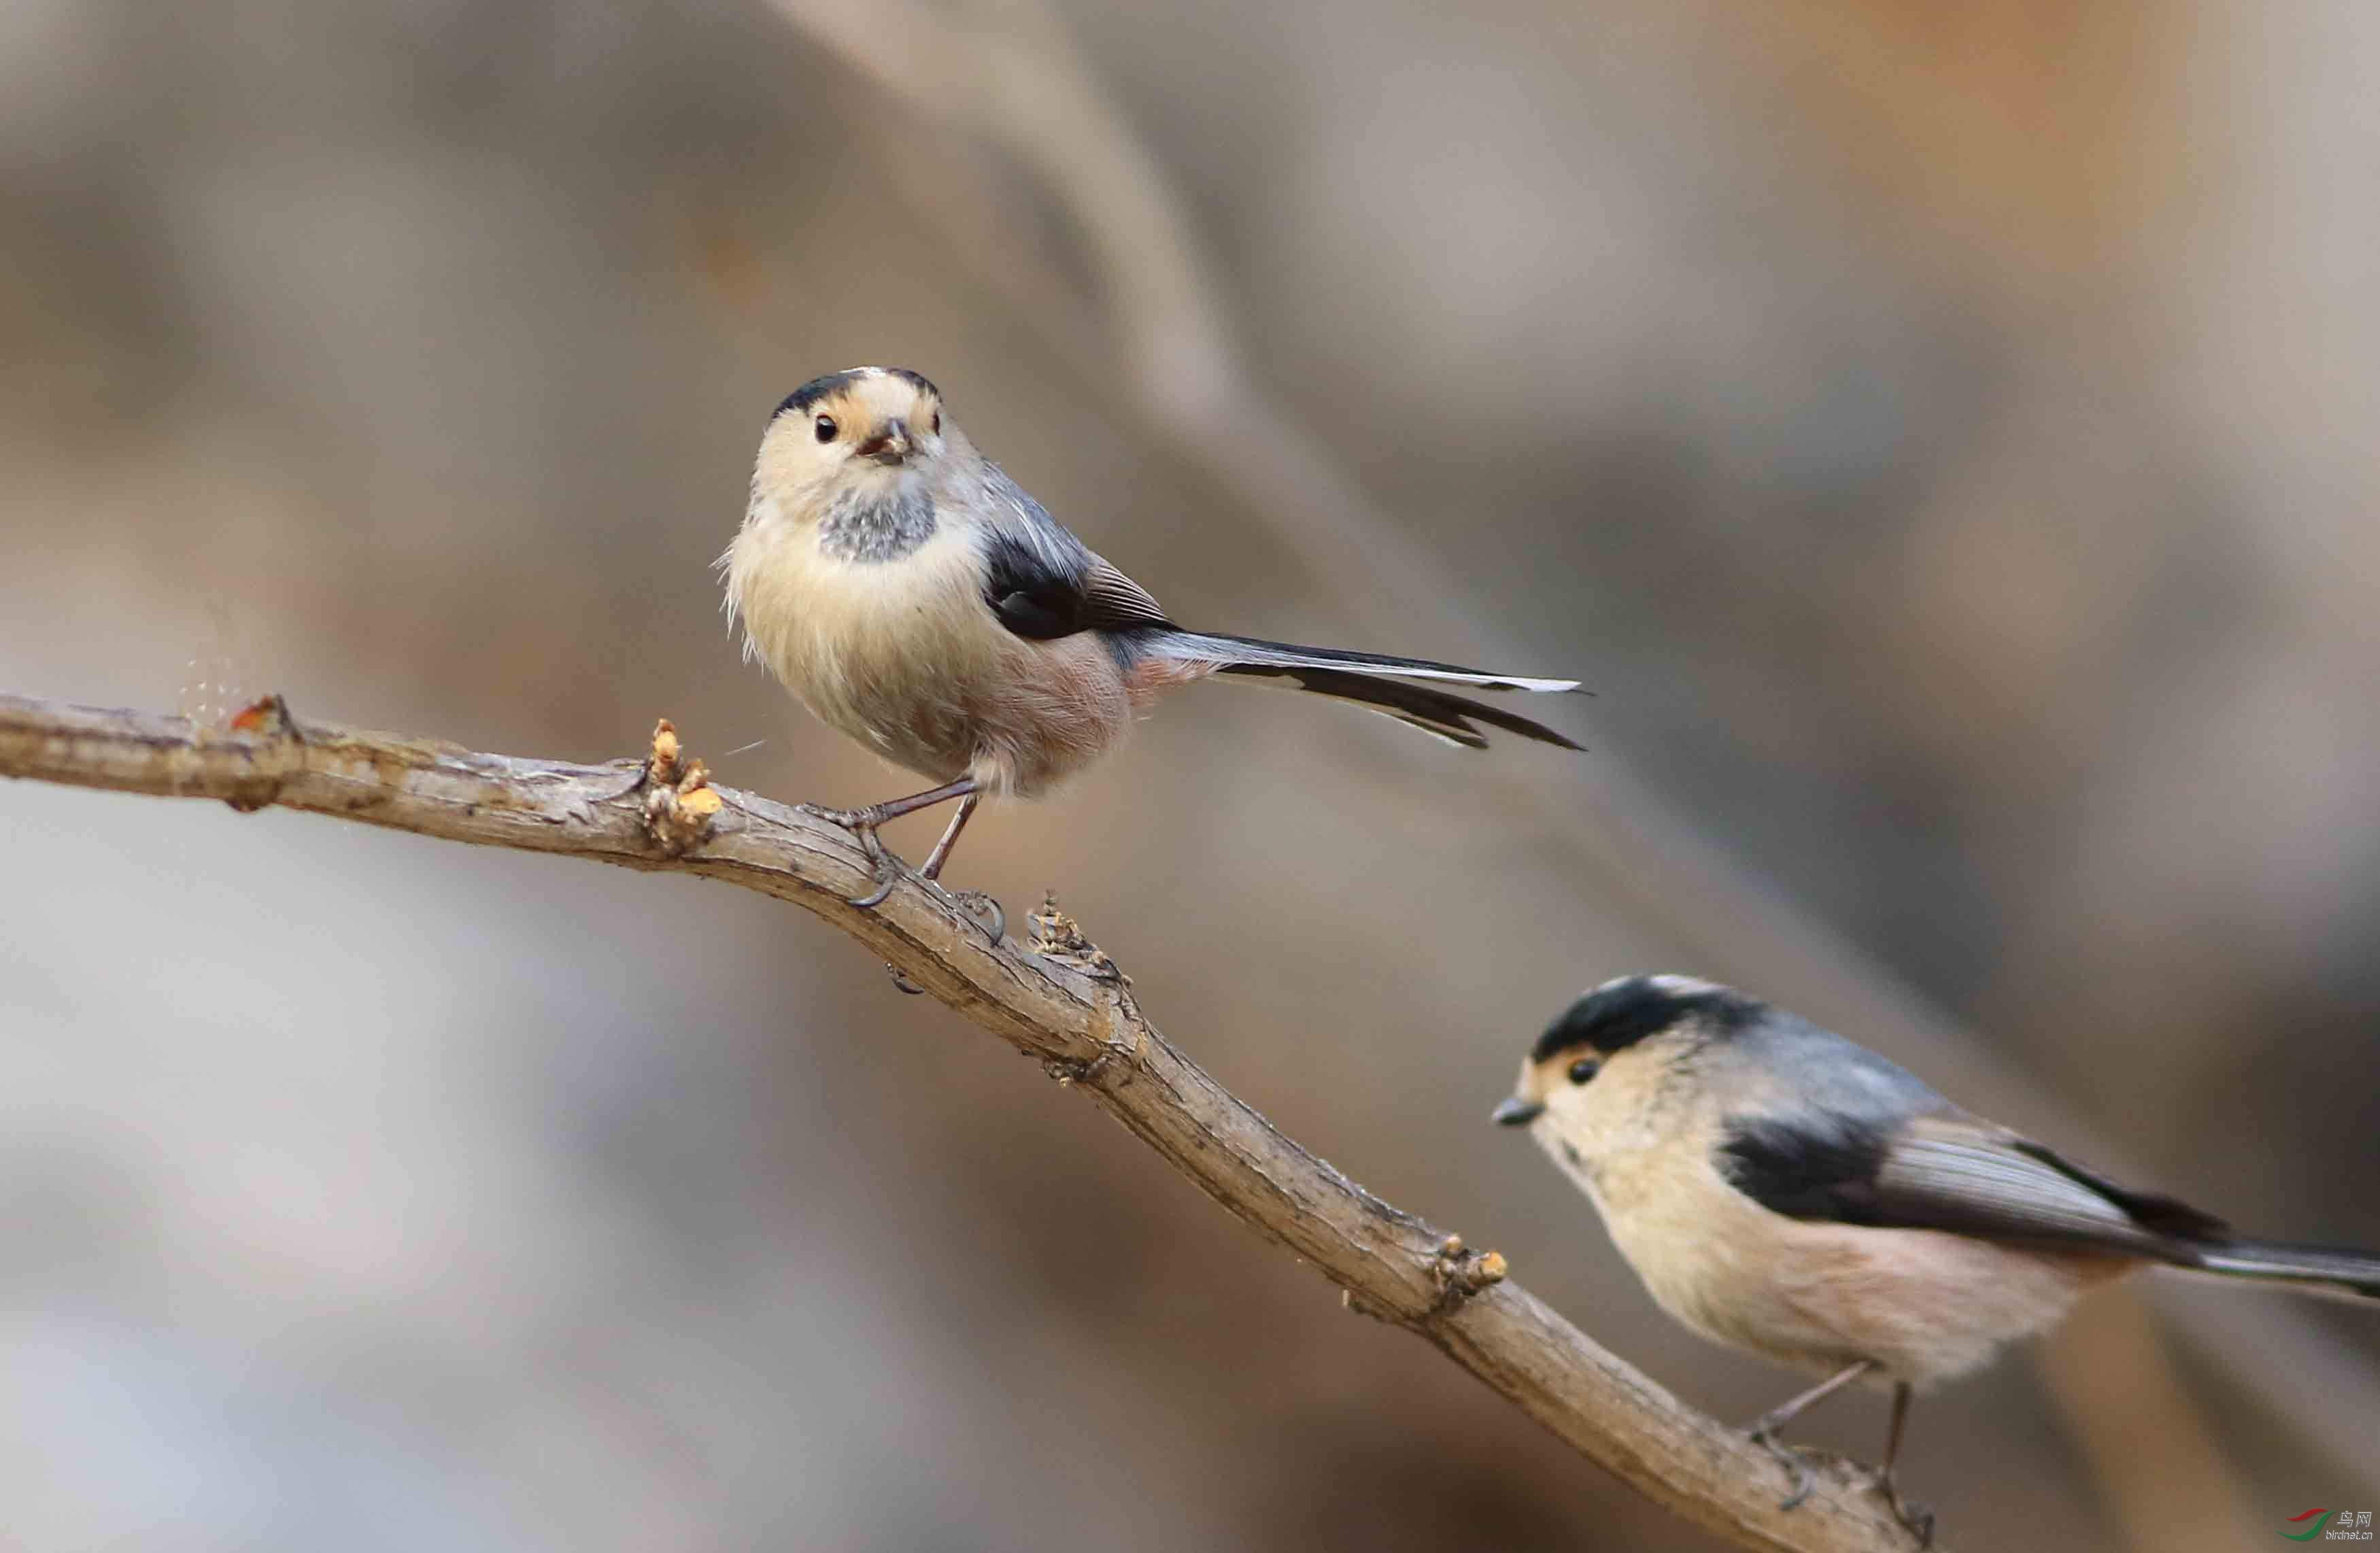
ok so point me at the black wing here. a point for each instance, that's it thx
(1044, 590)
(1043, 583)
(1948, 1172)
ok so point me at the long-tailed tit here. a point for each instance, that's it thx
(1786, 1193)
(912, 596)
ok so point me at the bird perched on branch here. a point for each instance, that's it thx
(912, 596)
(1783, 1191)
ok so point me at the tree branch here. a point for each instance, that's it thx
(1056, 999)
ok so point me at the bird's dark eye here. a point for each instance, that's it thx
(1583, 1069)
(938, 423)
(826, 428)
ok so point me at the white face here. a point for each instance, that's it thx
(1594, 1108)
(1608, 1087)
(874, 429)
(1564, 1086)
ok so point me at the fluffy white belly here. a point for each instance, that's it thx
(906, 657)
(1924, 1304)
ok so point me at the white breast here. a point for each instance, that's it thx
(905, 657)
(1924, 1304)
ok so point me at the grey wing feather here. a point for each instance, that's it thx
(1876, 1147)
(1879, 1147)
(1116, 602)
(1955, 1172)
(1042, 582)
(1022, 512)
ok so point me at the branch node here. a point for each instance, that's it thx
(680, 803)
(1058, 937)
(1461, 1272)
(661, 766)
(270, 720)
(1071, 1071)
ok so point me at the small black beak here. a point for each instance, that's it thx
(889, 445)
(1517, 1113)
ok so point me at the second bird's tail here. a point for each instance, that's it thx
(1376, 683)
(2346, 1272)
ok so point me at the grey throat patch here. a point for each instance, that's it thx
(861, 525)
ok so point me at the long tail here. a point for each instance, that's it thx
(1374, 681)
(2348, 1272)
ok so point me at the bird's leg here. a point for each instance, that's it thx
(941, 853)
(978, 905)
(1909, 1514)
(862, 824)
(1764, 1429)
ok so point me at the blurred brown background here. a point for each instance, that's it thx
(1944, 437)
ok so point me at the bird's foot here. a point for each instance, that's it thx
(1762, 1433)
(887, 869)
(981, 908)
(1918, 1518)
(977, 907)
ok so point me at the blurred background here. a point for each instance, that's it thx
(1943, 437)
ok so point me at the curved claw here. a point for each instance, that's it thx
(887, 867)
(1916, 1517)
(975, 905)
(1796, 1467)
(902, 983)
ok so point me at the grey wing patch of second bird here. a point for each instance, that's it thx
(1984, 1180)
(1945, 1170)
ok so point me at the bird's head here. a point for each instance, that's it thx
(864, 430)
(1629, 1027)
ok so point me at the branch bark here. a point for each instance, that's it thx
(1056, 999)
